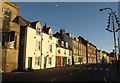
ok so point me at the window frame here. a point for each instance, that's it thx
(37, 61)
(50, 47)
(50, 60)
(7, 15)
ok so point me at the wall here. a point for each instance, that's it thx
(46, 42)
(31, 47)
(64, 55)
(10, 55)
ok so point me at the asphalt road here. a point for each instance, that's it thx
(84, 73)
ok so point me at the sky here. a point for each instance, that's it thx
(79, 18)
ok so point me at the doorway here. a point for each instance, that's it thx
(29, 63)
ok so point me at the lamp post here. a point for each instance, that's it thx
(113, 30)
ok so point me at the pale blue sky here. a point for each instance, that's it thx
(78, 18)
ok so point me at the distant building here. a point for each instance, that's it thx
(82, 49)
(111, 57)
(106, 56)
(63, 57)
(99, 56)
(72, 44)
(91, 53)
(64, 53)
(10, 36)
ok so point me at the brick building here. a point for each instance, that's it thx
(91, 53)
(82, 49)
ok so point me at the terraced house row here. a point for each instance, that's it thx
(27, 45)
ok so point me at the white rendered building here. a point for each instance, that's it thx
(30, 46)
(48, 48)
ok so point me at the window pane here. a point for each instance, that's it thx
(50, 48)
(7, 15)
(37, 61)
(50, 60)
(12, 36)
(37, 45)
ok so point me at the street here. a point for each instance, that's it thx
(84, 73)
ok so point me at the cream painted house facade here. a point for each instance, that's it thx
(63, 56)
(48, 48)
(30, 46)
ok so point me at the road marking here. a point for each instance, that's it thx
(89, 68)
(95, 68)
(105, 78)
(84, 68)
(106, 69)
(101, 69)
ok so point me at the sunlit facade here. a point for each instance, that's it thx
(48, 48)
(30, 46)
(10, 36)
(63, 56)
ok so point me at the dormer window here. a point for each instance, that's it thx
(65, 52)
(7, 15)
(38, 30)
(59, 51)
(62, 43)
(50, 35)
(66, 45)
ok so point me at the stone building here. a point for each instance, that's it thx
(10, 36)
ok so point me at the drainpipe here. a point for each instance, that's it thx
(41, 50)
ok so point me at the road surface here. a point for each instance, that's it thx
(84, 73)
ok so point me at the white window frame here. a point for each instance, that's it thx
(37, 61)
(12, 44)
(38, 30)
(50, 47)
(50, 60)
(38, 45)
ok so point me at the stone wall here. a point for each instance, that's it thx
(10, 55)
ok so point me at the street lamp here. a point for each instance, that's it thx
(113, 29)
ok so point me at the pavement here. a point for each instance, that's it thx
(115, 76)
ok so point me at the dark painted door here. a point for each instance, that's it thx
(45, 61)
(29, 62)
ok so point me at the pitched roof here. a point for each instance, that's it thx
(45, 29)
(33, 24)
(23, 22)
(57, 35)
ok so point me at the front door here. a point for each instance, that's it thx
(29, 63)
(64, 61)
(45, 61)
